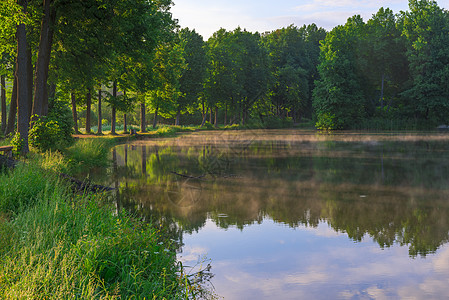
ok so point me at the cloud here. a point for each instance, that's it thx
(263, 15)
(192, 254)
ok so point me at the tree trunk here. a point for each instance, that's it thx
(203, 111)
(3, 101)
(113, 120)
(22, 86)
(210, 115)
(12, 109)
(142, 118)
(178, 116)
(155, 117)
(204, 119)
(113, 113)
(125, 123)
(216, 117)
(74, 113)
(100, 116)
(29, 82)
(88, 111)
(40, 105)
(226, 114)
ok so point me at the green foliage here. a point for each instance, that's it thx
(209, 125)
(275, 122)
(339, 91)
(45, 134)
(293, 55)
(52, 132)
(426, 27)
(17, 144)
(326, 121)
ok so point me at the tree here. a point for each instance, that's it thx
(22, 84)
(238, 74)
(386, 68)
(168, 66)
(426, 27)
(338, 94)
(191, 82)
(40, 103)
(291, 67)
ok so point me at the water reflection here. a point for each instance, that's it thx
(388, 188)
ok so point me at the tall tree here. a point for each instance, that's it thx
(40, 104)
(426, 27)
(338, 95)
(193, 76)
(22, 83)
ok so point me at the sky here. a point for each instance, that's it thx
(207, 16)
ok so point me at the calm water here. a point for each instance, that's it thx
(292, 214)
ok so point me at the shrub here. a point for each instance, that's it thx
(52, 132)
(17, 144)
(45, 134)
(209, 126)
(326, 121)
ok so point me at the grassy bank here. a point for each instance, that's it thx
(57, 245)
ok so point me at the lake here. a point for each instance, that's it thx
(295, 214)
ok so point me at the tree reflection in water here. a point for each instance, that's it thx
(392, 188)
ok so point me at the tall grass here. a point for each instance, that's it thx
(88, 153)
(56, 245)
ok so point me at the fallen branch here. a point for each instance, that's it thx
(81, 186)
(188, 176)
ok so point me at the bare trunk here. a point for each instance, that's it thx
(113, 120)
(74, 113)
(155, 117)
(3, 101)
(226, 114)
(12, 109)
(203, 111)
(40, 105)
(88, 111)
(100, 116)
(142, 117)
(113, 113)
(204, 120)
(178, 116)
(29, 82)
(216, 117)
(22, 86)
(125, 123)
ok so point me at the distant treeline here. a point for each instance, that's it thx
(133, 56)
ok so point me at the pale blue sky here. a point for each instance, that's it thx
(207, 16)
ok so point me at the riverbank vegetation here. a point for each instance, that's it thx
(58, 245)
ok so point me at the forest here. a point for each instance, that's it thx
(67, 65)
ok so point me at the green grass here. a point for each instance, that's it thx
(88, 153)
(56, 245)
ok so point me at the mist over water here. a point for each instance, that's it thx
(295, 214)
